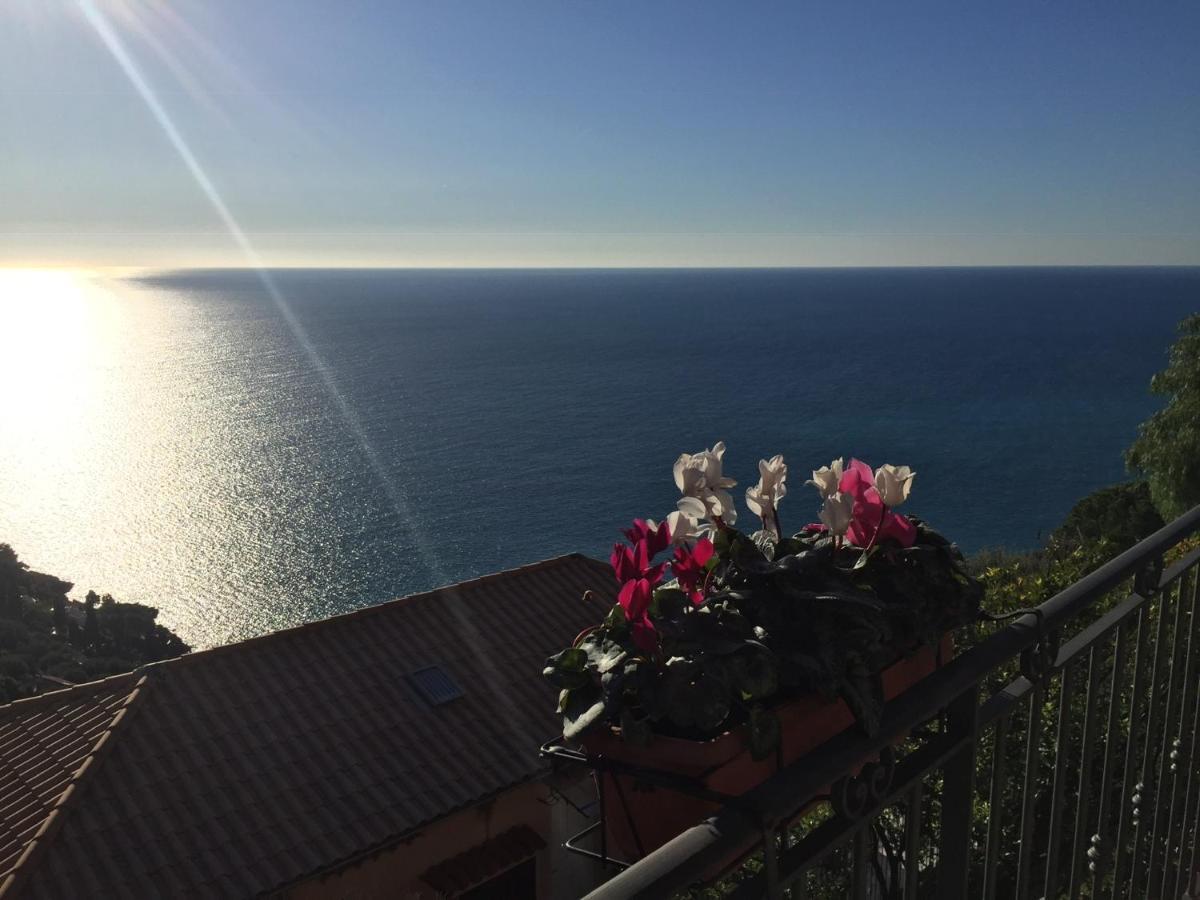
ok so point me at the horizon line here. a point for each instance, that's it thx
(126, 268)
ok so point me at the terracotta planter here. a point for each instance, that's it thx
(724, 764)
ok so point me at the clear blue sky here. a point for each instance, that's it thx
(603, 133)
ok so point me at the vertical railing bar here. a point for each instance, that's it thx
(991, 863)
(912, 842)
(1191, 761)
(1189, 837)
(771, 863)
(785, 842)
(1164, 757)
(1191, 866)
(1061, 755)
(958, 797)
(1099, 851)
(1186, 869)
(859, 863)
(1084, 797)
(1145, 792)
(1178, 760)
(599, 776)
(1028, 795)
(1131, 748)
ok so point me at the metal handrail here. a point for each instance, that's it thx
(689, 857)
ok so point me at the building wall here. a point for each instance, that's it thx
(395, 873)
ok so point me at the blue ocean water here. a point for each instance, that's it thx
(388, 431)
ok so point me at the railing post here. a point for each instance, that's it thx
(958, 798)
(912, 843)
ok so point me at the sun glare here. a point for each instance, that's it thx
(36, 303)
(48, 318)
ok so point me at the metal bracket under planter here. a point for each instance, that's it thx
(561, 755)
(572, 844)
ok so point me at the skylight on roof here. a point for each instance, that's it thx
(435, 685)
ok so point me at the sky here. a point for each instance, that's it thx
(153, 133)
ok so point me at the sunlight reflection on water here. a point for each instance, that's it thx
(136, 446)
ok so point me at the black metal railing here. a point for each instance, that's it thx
(1057, 757)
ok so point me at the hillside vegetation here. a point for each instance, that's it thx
(46, 639)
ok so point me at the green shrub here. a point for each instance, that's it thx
(121, 636)
(1122, 515)
(1167, 450)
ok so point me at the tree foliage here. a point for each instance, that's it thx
(1122, 515)
(1167, 450)
(43, 633)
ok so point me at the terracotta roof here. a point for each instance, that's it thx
(239, 770)
(466, 870)
(42, 746)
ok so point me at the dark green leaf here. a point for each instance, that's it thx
(603, 655)
(864, 558)
(754, 674)
(711, 703)
(670, 603)
(635, 730)
(615, 620)
(765, 732)
(863, 692)
(568, 669)
(584, 709)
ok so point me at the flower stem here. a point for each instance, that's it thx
(882, 515)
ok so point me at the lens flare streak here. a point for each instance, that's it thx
(116, 47)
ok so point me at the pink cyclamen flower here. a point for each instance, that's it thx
(872, 521)
(689, 567)
(645, 636)
(635, 599)
(634, 567)
(657, 537)
(635, 562)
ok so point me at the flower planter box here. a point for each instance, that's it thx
(740, 615)
(640, 817)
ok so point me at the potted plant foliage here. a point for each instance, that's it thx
(729, 653)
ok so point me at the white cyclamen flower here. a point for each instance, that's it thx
(893, 483)
(827, 478)
(698, 476)
(837, 513)
(684, 527)
(763, 499)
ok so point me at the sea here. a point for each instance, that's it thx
(248, 451)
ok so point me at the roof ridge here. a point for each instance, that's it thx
(40, 841)
(51, 698)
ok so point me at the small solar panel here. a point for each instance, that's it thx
(435, 685)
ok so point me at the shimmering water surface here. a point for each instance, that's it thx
(181, 440)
